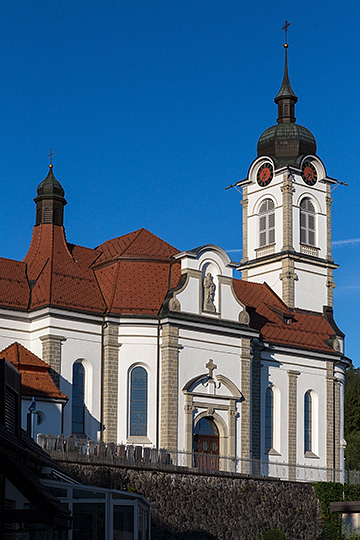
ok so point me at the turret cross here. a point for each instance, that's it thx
(50, 156)
(285, 27)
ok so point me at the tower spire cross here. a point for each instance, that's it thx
(285, 27)
(50, 156)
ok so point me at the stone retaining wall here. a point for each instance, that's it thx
(187, 506)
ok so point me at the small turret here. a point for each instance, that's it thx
(50, 201)
(286, 142)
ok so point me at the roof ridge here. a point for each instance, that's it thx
(114, 288)
(137, 234)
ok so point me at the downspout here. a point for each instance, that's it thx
(158, 384)
(62, 418)
(103, 326)
(334, 423)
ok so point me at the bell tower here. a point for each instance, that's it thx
(287, 211)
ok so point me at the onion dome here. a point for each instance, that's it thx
(50, 200)
(287, 142)
(50, 186)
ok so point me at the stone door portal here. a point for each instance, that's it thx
(206, 445)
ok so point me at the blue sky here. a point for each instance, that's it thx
(153, 108)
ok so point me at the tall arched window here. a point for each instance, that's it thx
(266, 223)
(307, 422)
(307, 222)
(78, 399)
(269, 419)
(138, 401)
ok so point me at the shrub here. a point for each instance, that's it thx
(274, 534)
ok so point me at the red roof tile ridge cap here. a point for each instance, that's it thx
(34, 245)
(17, 351)
(11, 346)
(100, 289)
(95, 249)
(42, 269)
(19, 347)
(137, 234)
(115, 287)
(12, 260)
(118, 237)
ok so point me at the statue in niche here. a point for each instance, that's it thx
(209, 293)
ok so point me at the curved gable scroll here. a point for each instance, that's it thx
(234, 391)
(206, 286)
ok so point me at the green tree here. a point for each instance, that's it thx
(274, 534)
(352, 418)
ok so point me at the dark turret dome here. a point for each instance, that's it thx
(50, 186)
(287, 142)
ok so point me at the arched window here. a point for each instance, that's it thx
(307, 422)
(138, 401)
(266, 223)
(78, 399)
(269, 419)
(307, 222)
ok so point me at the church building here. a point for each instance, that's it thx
(151, 346)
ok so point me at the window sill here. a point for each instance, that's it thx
(311, 455)
(272, 452)
(138, 439)
(263, 251)
(306, 249)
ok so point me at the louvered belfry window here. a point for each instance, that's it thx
(267, 223)
(307, 222)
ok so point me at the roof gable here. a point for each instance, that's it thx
(35, 374)
(279, 325)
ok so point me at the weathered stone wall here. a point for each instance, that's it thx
(213, 507)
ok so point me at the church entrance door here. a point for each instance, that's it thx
(206, 445)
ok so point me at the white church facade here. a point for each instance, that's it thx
(167, 349)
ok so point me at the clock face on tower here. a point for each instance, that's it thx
(309, 173)
(265, 174)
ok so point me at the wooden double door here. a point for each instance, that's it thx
(206, 445)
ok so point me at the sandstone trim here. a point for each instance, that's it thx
(110, 391)
(51, 354)
(169, 386)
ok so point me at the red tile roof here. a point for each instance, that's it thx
(131, 274)
(134, 272)
(140, 243)
(306, 330)
(61, 273)
(14, 288)
(35, 374)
